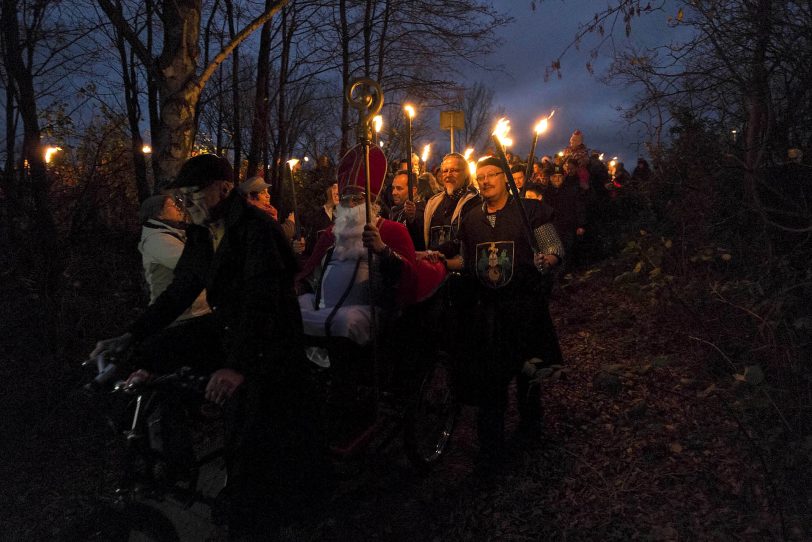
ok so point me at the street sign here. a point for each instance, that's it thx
(452, 120)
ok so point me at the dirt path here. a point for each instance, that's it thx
(640, 443)
(637, 446)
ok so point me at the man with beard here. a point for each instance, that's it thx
(254, 348)
(506, 311)
(405, 211)
(445, 210)
(338, 272)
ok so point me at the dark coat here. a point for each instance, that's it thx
(397, 214)
(569, 205)
(249, 286)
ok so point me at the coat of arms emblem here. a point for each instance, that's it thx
(494, 263)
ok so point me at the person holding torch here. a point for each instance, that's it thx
(507, 308)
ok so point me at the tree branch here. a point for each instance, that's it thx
(201, 80)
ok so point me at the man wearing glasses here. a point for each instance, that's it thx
(241, 257)
(445, 210)
(506, 309)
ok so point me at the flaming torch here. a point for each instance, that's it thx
(540, 128)
(500, 140)
(425, 156)
(409, 110)
(292, 164)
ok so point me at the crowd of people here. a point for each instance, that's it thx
(239, 293)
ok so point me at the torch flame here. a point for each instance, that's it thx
(409, 110)
(600, 157)
(146, 149)
(468, 152)
(551, 114)
(377, 121)
(501, 132)
(292, 162)
(49, 152)
(426, 151)
(472, 171)
(541, 127)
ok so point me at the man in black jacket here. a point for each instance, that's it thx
(507, 309)
(242, 259)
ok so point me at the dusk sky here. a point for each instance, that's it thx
(580, 100)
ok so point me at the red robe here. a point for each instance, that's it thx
(418, 279)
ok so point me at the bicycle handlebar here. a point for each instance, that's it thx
(183, 378)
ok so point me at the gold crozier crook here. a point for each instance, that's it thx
(368, 101)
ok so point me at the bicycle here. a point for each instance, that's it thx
(153, 500)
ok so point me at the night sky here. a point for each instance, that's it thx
(581, 101)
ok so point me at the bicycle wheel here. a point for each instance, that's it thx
(431, 418)
(131, 522)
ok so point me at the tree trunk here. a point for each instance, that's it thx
(152, 92)
(129, 78)
(177, 66)
(235, 90)
(11, 201)
(345, 76)
(45, 246)
(387, 11)
(259, 126)
(178, 86)
(757, 97)
(281, 118)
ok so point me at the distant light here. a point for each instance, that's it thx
(146, 149)
(292, 163)
(49, 153)
(306, 159)
(560, 153)
(409, 110)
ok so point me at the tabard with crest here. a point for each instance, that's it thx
(494, 263)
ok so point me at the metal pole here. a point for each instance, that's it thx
(452, 138)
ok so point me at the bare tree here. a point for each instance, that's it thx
(477, 104)
(176, 72)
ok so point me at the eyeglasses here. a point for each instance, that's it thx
(450, 171)
(489, 176)
(188, 198)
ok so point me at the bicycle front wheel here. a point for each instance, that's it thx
(431, 418)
